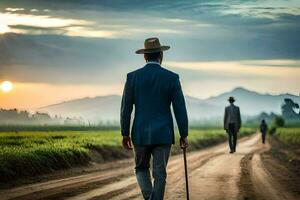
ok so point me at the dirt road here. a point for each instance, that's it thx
(213, 174)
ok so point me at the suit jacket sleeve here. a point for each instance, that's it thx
(126, 108)
(179, 108)
(239, 119)
(225, 119)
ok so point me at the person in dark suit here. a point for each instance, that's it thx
(151, 90)
(232, 123)
(263, 129)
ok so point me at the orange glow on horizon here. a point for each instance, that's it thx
(208, 79)
(35, 95)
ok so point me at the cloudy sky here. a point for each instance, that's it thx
(56, 50)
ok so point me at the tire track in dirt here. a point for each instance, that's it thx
(50, 188)
(257, 183)
(265, 186)
(107, 191)
(246, 184)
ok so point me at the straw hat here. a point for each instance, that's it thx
(152, 45)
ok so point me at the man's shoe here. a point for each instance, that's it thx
(231, 151)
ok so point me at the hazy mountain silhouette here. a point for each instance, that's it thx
(102, 108)
(251, 102)
(106, 108)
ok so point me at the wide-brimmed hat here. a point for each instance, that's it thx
(152, 45)
(231, 99)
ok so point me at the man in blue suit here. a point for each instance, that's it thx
(151, 90)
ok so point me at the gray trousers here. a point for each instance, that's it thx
(232, 137)
(160, 155)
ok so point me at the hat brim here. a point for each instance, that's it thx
(143, 51)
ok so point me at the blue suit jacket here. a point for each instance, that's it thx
(151, 90)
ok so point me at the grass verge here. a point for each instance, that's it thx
(289, 136)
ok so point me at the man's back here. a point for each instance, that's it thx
(232, 116)
(152, 89)
(232, 111)
(263, 127)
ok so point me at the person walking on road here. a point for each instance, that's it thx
(232, 123)
(151, 90)
(263, 130)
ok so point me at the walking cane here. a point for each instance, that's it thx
(186, 175)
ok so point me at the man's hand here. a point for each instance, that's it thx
(184, 143)
(127, 142)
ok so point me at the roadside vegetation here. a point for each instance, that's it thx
(30, 153)
(289, 136)
(287, 132)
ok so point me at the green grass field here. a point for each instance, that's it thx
(290, 136)
(32, 153)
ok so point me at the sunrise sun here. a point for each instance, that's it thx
(6, 86)
(4, 28)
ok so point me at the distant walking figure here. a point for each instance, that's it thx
(263, 130)
(232, 123)
(151, 90)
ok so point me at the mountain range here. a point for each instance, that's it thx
(107, 108)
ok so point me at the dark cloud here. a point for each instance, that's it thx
(235, 31)
(61, 59)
